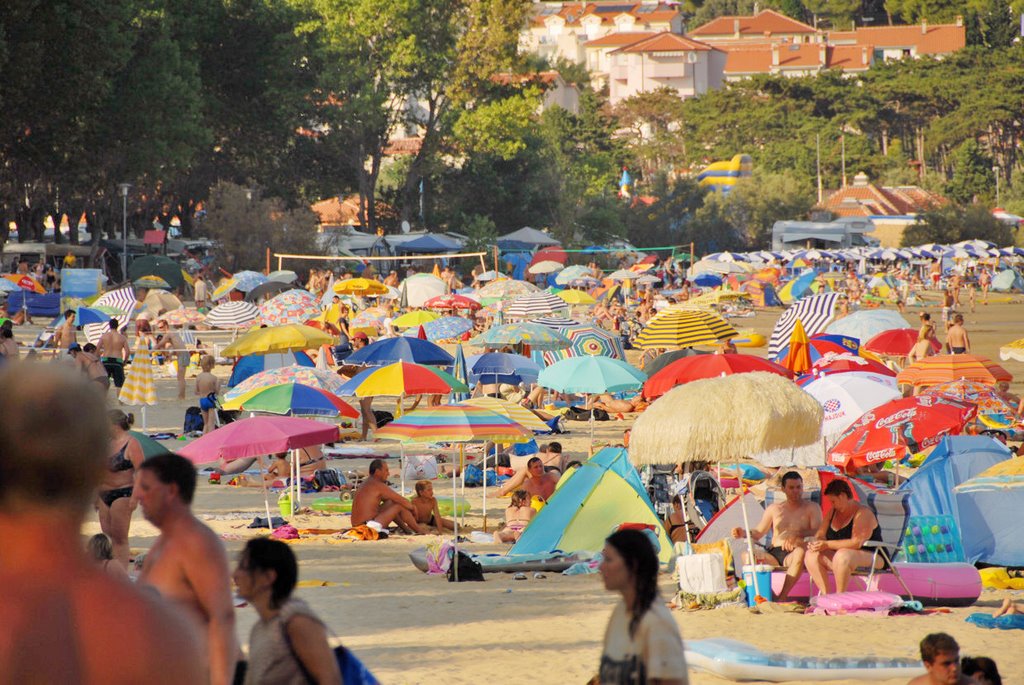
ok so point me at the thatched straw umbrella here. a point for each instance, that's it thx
(723, 419)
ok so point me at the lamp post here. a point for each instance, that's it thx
(123, 187)
(995, 170)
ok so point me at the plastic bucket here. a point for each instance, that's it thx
(284, 504)
(758, 580)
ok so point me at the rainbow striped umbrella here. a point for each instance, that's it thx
(325, 380)
(403, 378)
(454, 423)
(296, 399)
(292, 306)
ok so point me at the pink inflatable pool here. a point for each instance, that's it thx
(945, 585)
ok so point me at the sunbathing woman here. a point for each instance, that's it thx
(517, 516)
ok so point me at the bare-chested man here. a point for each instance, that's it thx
(534, 479)
(789, 522)
(170, 340)
(89, 364)
(376, 501)
(188, 565)
(65, 333)
(65, 619)
(956, 337)
(113, 352)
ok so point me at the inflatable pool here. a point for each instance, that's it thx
(334, 505)
(739, 661)
(749, 339)
(954, 584)
(510, 563)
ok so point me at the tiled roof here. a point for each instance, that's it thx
(849, 57)
(573, 12)
(872, 200)
(766, 21)
(618, 39)
(756, 58)
(929, 40)
(666, 42)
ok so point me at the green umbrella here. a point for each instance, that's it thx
(150, 447)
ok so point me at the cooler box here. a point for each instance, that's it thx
(759, 582)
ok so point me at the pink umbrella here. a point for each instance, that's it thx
(256, 436)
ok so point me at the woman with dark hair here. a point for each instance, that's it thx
(288, 645)
(642, 644)
(116, 500)
(839, 544)
(981, 670)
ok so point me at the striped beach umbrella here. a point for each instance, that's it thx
(814, 312)
(518, 413)
(943, 368)
(296, 399)
(537, 337)
(230, 315)
(555, 322)
(675, 328)
(505, 289)
(292, 306)
(305, 375)
(403, 379)
(587, 341)
(139, 388)
(535, 304)
(454, 423)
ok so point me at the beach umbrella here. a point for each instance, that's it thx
(705, 266)
(90, 315)
(257, 436)
(798, 355)
(415, 318)
(8, 286)
(233, 315)
(831, 362)
(845, 397)
(159, 266)
(798, 287)
(584, 341)
(533, 305)
(708, 280)
(402, 379)
(447, 328)
(896, 342)
(576, 297)
(360, 286)
(694, 368)
(814, 313)
(1013, 350)
(270, 288)
(818, 349)
(518, 413)
(253, 364)
(555, 322)
(506, 289)
(941, 368)
(994, 411)
(899, 429)
(571, 273)
(546, 266)
(752, 413)
(421, 287)
(183, 316)
(867, 323)
(502, 367)
(452, 302)
(283, 276)
(490, 276)
(328, 381)
(157, 302)
(151, 282)
(291, 307)
(460, 372)
(244, 281)
(150, 447)
(138, 388)
(285, 338)
(674, 328)
(401, 349)
(622, 275)
(666, 358)
(296, 399)
(537, 337)
(223, 289)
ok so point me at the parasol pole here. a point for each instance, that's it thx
(746, 528)
(143, 418)
(266, 493)
(295, 478)
(455, 520)
(401, 464)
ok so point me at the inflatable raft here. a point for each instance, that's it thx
(740, 661)
(334, 505)
(954, 584)
(555, 562)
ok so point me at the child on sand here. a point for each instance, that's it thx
(517, 515)
(207, 384)
(426, 508)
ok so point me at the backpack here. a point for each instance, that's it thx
(469, 569)
(383, 417)
(328, 478)
(193, 420)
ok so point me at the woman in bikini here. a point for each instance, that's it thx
(116, 503)
(517, 516)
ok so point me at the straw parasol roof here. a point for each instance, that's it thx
(727, 418)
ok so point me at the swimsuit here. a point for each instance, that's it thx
(115, 370)
(119, 462)
(778, 554)
(111, 496)
(846, 533)
(958, 350)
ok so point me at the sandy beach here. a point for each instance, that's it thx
(413, 628)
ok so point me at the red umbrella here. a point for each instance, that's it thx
(707, 366)
(452, 302)
(257, 436)
(897, 342)
(26, 282)
(554, 254)
(900, 428)
(849, 362)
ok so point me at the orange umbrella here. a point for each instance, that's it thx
(799, 358)
(26, 282)
(953, 367)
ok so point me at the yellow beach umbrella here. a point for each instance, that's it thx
(415, 318)
(576, 297)
(360, 286)
(1014, 350)
(223, 289)
(518, 413)
(287, 338)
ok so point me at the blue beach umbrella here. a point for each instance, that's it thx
(401, 349)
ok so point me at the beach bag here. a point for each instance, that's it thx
(474, 476)
(383, 417)
(422, 467)
(701, 574)
(193, 420)
(353, 671)
(469, 569)
(578, 414)
(328, 478)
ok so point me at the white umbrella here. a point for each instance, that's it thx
(547, 266)
(845, 397)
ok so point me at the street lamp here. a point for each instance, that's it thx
(995, 170)
(123, 187)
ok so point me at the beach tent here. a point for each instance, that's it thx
(762, 294)
(255, 363)
(603, 494)
(525, 238)
(430, 243)
(953, 461)
(1007, 280)
(798, 287)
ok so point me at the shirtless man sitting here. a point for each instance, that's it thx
(790, 522)
(188, 564)
(376, 501)
(534, 479)
(66, 620)
(427, 510)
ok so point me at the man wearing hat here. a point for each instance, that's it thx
(89, 364)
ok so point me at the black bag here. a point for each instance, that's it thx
(383, 417)
(579, 414)
(328, 478)
(193, 420)
(468, 569)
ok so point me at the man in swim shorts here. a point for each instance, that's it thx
(376, 501)
(113, 351)
(956, 336)
(790, 522)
